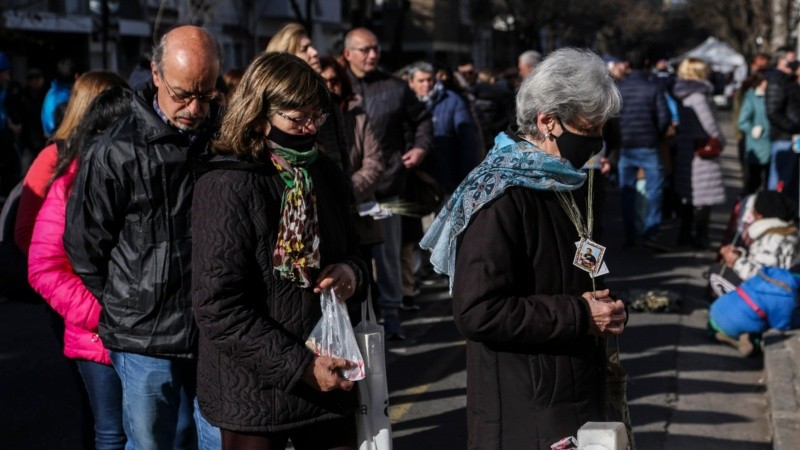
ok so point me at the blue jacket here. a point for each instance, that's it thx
(59, 93)
(645, 116)
(777, 301)
(455, 139)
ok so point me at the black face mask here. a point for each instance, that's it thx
(299, 142)
(576, 148)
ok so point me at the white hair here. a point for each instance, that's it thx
(569, 83)
(530, 58)
(419, 66)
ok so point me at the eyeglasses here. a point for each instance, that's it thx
(305, 121)
(365, 50)
(185, 98)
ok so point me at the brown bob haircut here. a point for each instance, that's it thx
(272, 82)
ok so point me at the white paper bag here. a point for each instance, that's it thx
(373, 425)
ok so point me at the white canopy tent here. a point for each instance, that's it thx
(720, 56)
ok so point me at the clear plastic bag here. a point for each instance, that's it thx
(333, 336)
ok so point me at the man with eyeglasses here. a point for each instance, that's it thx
(403, 127)
(129, 240)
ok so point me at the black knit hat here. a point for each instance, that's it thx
(775, 204)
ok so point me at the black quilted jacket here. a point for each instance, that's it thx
(783, 107)
(252, 324)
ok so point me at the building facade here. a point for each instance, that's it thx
(38, 33)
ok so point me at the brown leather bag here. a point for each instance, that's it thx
(707, 148)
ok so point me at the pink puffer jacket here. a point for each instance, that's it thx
(50, 274)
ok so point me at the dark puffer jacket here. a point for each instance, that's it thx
(534, 374)
(644, 116)
(252, 324)
(129, 231)
(783, 106)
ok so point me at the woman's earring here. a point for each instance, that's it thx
(549, 135)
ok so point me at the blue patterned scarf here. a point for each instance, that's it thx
(508, 164)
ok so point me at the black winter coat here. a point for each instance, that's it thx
(129, 233)
(252, 324)
(783, 106)
(399, 121)
(534, 375)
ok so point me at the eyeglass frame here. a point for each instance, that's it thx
(300, 124)
(202, 98)
(366, 50)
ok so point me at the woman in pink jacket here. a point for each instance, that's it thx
(51, 275)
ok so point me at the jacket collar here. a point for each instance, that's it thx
(153, 127)
(761, 226)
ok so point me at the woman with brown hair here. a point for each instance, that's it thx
(332, 135)
(271, 229)
(88, 86)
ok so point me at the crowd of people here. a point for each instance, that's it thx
(207, 211)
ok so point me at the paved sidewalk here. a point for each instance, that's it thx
(782, 369)
(685, 391)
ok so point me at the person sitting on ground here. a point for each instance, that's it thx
(767, 300)
(774, 243)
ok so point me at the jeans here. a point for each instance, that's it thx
(783, 169)
(105, 395)
(631, 159)
(387, 264)
(159, 405)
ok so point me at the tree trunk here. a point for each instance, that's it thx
(780, 29)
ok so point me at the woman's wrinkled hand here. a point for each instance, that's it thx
(324, 374)
(340, 278)
(608, 316)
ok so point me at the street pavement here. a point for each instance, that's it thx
(685, 391)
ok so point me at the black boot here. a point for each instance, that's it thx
(702, 215)
(686, 215)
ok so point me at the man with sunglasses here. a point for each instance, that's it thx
(403, 127)
(129, 240)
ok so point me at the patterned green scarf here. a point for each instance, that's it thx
(297, 249)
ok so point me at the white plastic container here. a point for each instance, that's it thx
(602, 436)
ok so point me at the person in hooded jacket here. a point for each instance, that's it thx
(773, 243)
(534, 321)
(698, 181)
(272, 229)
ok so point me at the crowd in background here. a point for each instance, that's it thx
(101, 152)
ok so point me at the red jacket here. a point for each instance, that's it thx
(33, 193)
(50, 274)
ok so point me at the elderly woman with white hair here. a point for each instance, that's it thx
(513, 239)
